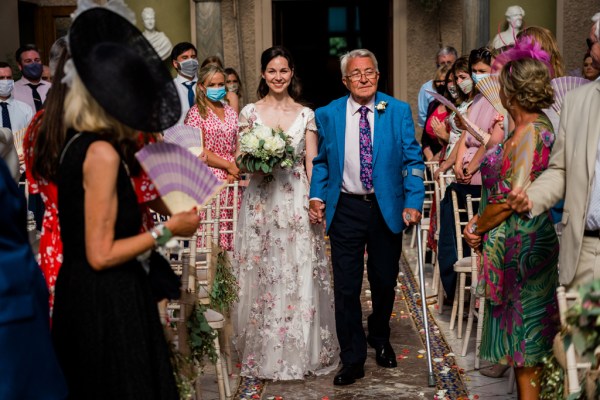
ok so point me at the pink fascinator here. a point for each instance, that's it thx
(526, 47)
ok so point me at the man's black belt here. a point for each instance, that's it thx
(595, 234)
(363, 197)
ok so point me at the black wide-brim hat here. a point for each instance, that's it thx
(122, 71)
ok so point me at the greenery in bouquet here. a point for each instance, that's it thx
(263, 148)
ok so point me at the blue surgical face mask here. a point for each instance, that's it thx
(478, 77)
(216, 94)
(33, 71)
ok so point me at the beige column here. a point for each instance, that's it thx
(209, 32)
(476, 24)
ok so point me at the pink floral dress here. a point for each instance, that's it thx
(220, 137)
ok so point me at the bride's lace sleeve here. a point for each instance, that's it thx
(246, 119)
(311, 125)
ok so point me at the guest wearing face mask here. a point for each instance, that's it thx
(30, 89)
(436, 112)
(184, 59)
(218, 123)
(15, 114)
(460, 87)
(233, 83)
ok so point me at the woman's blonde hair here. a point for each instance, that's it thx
(548, 43)
(205, 74)
(527, 81)
(84, 114)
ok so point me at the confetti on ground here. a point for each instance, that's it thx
(438, 359)
(422, 351)
(420, 356)
(450, 355)
(325, 398)
(445, 370)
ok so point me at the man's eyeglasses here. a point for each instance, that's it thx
(590, 43)
(355, 77)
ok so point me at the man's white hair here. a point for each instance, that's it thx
(514, 10)
(596, 19)
(358, 53)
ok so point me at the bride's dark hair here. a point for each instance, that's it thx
(295, 88)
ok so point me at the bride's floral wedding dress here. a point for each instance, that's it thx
(284, 321)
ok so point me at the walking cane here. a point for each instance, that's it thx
(431, 377)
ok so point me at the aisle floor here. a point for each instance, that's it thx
(407, 381)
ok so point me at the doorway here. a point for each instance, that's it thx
(318, 32)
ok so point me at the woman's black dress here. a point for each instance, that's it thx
(106, 327)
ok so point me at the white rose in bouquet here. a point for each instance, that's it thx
(263, 132)
(249, 143)
(275, 145)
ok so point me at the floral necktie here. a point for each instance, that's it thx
(366, 150)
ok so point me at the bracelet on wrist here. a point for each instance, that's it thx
(161, 235)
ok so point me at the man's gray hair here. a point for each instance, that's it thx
(358, 53)
(445, 51)
(596, 19)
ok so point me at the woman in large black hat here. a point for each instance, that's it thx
(106, 327)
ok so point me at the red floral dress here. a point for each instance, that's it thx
(50, 256)
(220, 137)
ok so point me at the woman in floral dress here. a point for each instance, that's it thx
(218, 123)
(284, 322)
(519, 273)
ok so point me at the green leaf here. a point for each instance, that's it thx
(265, 168)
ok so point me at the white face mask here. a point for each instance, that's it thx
(233, 87)
(466, 86)
(6, 87)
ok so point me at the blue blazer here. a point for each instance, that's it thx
(398, 167)
(28, 366)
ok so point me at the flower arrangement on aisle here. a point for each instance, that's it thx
(263, 148)
(583, 331)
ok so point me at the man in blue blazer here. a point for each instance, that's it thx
(367, 181)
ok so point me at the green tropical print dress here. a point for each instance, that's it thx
(519, 265)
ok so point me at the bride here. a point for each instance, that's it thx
(284, 322)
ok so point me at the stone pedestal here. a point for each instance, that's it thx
(476, 24)
(209, 32)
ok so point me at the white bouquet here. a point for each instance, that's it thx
(263, 148)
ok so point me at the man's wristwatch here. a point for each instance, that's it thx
(161, 234)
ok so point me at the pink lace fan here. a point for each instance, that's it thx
(18, 138)
(182, 180)
(561, 86)
(479, 134)
(185, 136)
(489, 87)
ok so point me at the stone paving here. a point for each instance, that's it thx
(407, 381)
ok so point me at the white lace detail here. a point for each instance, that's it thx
(284, 322)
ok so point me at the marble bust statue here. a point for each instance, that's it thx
(514, 17)
(158, 40)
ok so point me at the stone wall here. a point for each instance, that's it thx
(577, 22)
(423, 43)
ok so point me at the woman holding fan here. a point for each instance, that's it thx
(106, 328)
(284, 322)
(519, 256)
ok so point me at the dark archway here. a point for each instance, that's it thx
(317, 32)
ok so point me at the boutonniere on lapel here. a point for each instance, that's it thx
(381, 106)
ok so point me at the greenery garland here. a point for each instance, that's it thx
(225, 285)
